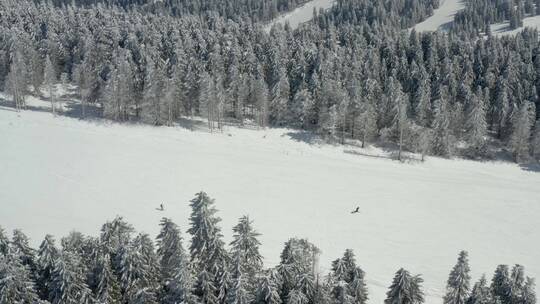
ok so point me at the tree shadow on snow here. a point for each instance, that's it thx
(532, 167)
(305, 137)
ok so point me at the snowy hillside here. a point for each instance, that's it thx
(60, 174)
(301, 14)
(503, 29)
(442, 17)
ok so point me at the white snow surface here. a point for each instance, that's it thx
(442, 17)
(59, 174)
(301, 14)
(503, 28)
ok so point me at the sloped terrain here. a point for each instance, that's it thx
(59, 174)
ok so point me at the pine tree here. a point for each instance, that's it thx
(476, 127)
(500, 285)
(268, 290)
(16, 285)
(239, 292)
(50, 80)
(4, 242)
(175, 270)
(115, 235)
(357, 287)
(529, 294)
(457, 288)
(205, 289)
(21, 248)
(405, 289)
(68, 281)
(133, 272)
(441, 125)
(47, 255)
(297, 297)
(207, 250)
(245, 248)
(279, 98)
(521, 131)
(104, 283)
(535, 142)
(16, 79)
(480, 293)
(154, 106)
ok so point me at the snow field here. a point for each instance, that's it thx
(62, 174)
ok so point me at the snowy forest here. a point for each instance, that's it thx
(121, 266)
(354, 72)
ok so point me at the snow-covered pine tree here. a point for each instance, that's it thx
(501, 285)
(205, 288)
(368, 112)
(16, 83)
(4, 242)
(207, 99)
(144, 296)
(476, 126)
(50, 80)
(115, 235)
(68, 281)
(176, 274)
(400, 103)
(536, 141)
(268, 289)
(522, 124)
(133, 272)
(46, 257)
(441, 125)
(144, 246)
(104, 282)
(297, 258)
(529, 295)
(207, 247)
(405, 289)
(422, 100)
(16, 285)
(358, 288)
(457, 287)
(279, 98)
(225, 286)
(154, 106)
(297, 297)
(20, 247)
(245, 248)
(239, 292)
(480, 293)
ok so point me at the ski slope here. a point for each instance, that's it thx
(301, 14)
(442, 17)
(503, 28)
(62, 174)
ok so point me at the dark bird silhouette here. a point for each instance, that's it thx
(160, 208)
(357, 210)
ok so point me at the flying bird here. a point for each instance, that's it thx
(357, 210)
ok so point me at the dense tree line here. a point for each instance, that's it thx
(121, 266)
(437, 93)
(479, 14)
(255, 10)
(397, 14)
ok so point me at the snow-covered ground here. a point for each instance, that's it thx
(59, 174)
(442, 17)
(502, 29)
(301, 14)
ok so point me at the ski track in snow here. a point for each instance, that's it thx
(62, 174)
(442, 17)
(301, 14)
